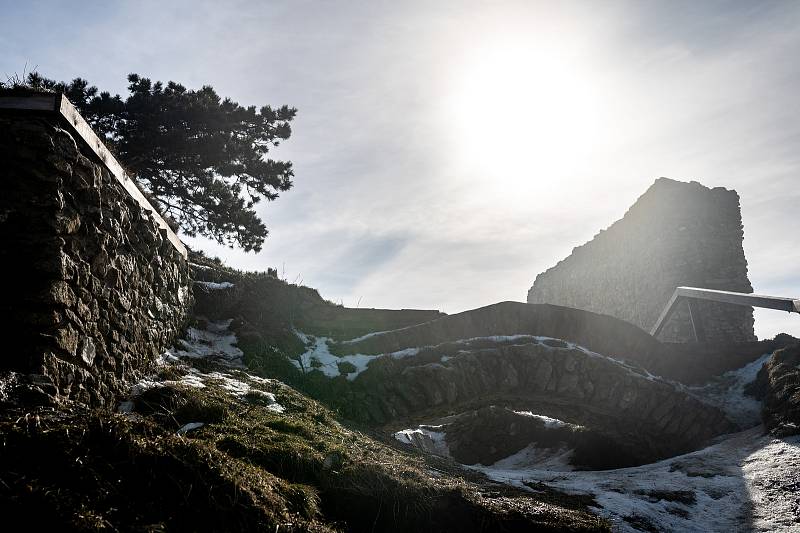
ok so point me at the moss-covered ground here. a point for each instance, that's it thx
(248, 468)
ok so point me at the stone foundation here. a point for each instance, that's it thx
(94, 288)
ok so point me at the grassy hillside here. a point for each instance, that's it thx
(265, 459)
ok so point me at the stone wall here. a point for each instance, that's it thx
(675, 234)
(648, 418)
(94, 290)
(690, 363)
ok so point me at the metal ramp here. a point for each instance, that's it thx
(692, 294)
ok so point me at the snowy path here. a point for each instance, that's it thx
(748, 482)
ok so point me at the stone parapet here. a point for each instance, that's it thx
(96, 287)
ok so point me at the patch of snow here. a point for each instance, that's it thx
(364, 337)
(167, 358)
(264, 381)
(502, 338)
(214, 286)
(216, 343)
(407, 352)
(534, 457)
(319, 357)
(189, 427)
(425, 438)
(376, 333)
(773, 484)
(240, 389)
(269, 399)
(125, 407)
(305, 339)
(548, 422)
(747, 482)
(194, 378)
(228, 383)
(727, 393)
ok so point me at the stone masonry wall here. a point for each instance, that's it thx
(94, 291)
(675, 234)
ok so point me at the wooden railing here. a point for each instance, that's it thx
(692, 294)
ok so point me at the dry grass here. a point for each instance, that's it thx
(247, 468)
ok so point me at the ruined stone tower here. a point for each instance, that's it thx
(675, 234)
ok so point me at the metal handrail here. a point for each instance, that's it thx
(792, 305)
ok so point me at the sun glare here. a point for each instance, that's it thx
(519, 112)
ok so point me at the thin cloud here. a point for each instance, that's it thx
(386, 207)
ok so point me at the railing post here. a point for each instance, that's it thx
(697, 320)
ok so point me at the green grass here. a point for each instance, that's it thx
(248, 468)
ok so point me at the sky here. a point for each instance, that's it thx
(447, 152)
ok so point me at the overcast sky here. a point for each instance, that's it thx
(447, 152)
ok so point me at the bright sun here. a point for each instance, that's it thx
(519, 112)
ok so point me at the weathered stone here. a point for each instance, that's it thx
(682, 234)
(67, 339)
(82, 258)
(778, 386)
(88, 350)
(67, 222)
(649, 418)
(61, 293)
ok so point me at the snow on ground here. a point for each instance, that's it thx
(213, 285)
(772, 475)
(431, 438)
(194, 378)
(727, 393)
(217, 343)
(548, 422)
(747, 482)
(426, 438)
(536, 458)
(319, 357)
(364, 337)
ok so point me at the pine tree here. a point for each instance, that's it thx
(203, 159)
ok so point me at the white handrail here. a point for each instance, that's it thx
(791, 305)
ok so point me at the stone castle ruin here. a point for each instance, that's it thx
(676, 234)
